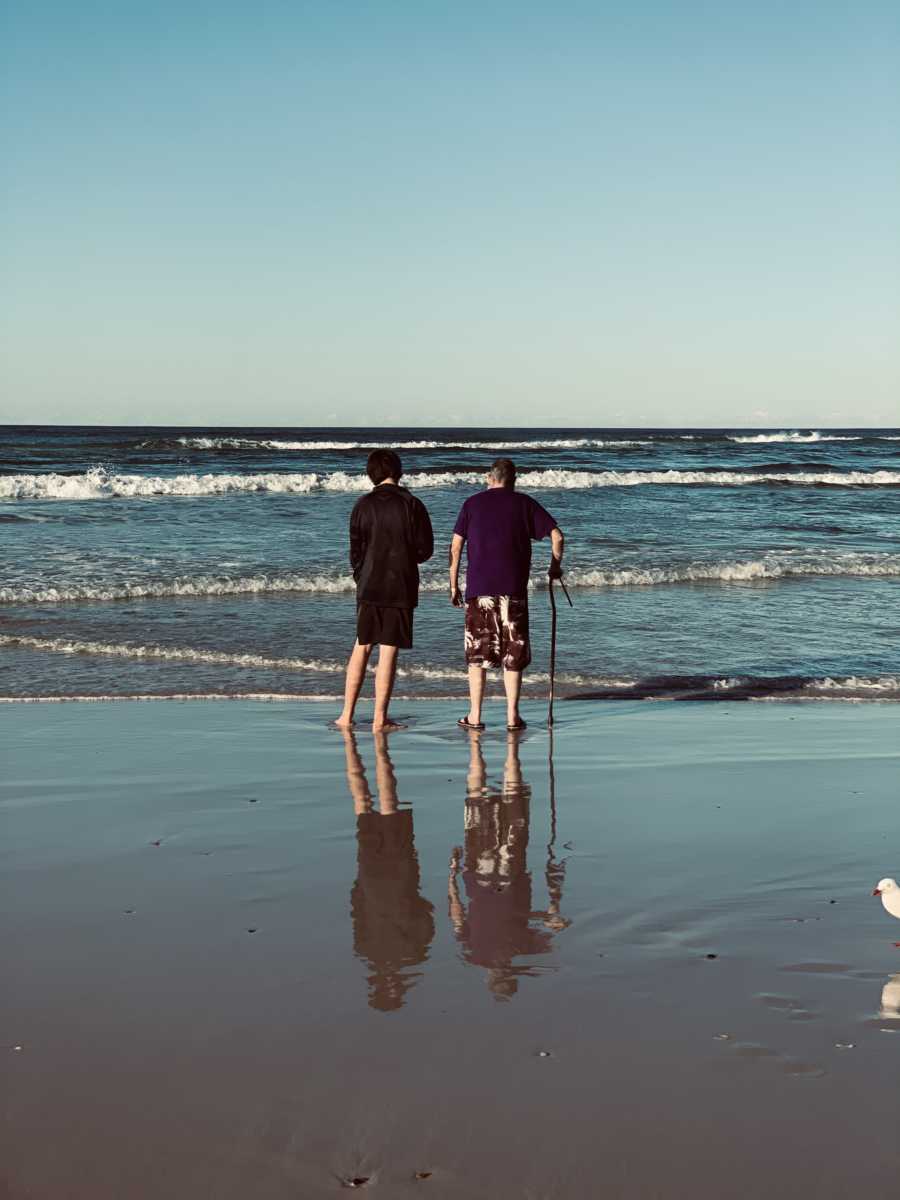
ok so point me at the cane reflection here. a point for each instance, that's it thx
(499, 924)
(393, 926)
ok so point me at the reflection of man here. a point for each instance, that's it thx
(497, 927)
(498, 526)
(393, 925)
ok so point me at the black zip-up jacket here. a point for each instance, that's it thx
(390, 534)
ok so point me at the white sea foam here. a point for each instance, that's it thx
(195, 585)
(579, 443)
(259, 697)
(111, 697)
(64, 645)
(238, 443)
(97, 483)
(771, 566)
(573, 480)
(857, 684)
(792, 436)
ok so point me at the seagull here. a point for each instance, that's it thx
(889, 891)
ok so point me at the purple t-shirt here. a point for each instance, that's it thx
(499, 525)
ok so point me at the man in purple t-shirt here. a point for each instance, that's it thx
(498, 527)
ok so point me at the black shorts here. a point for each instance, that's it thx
(380, 626)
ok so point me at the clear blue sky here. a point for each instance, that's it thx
(483, 213)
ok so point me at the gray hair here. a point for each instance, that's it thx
(503, 470)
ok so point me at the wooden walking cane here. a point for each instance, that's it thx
(553, 644)
(552, 653)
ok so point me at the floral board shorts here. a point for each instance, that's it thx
(497, 632)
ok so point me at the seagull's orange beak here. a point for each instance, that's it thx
(876, 891)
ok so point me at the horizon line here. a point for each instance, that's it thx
(788, 428)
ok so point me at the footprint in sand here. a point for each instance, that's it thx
(790, 1066)
(803, 1069)
(794, 1009)
(753, 1050)
(817, 968)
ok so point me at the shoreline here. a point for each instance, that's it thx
(319, 698)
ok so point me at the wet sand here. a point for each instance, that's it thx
(248, 957)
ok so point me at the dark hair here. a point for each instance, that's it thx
(383, 464)
(503, 470)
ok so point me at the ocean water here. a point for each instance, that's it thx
(703, 564)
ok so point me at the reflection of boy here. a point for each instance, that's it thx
(496, 928)
(393, 926)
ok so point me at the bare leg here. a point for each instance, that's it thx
(476, 694)
(512, 681)
(384, 686)
(356, 674)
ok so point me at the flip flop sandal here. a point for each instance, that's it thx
(520, 724)
(465, 723)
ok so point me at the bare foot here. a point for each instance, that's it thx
(343, 722)
(386, 726)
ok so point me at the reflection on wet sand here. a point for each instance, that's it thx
(890, 999)
(498, 925)
(393, 926)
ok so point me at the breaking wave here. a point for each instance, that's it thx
(769, 567)
(657, 438)
(565, 480)
(63, 645)
(113, 697)
(661, 687)
(239, 443)
(815, 436)
(98, 483)
(857, 685)
(194, 585)
(257, 697)
(754, 687)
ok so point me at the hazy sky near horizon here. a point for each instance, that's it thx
(660, 213)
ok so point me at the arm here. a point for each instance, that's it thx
(357, 542)
(557, 542)
(455, 555)
(424, 534)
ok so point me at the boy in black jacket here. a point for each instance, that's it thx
(390, 534)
